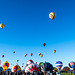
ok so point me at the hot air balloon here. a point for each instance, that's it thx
(25, 55)
(16, 68)
(40, 63)
(17, 60)
(44, 44)
(29, 62)
(59, 64)
(66, 69)
(31, 54)
(72, 65)
(13, 51)
(2, 26)
(52, 15)
(45, 66)
(22, 66)
(32, 68)
(54, 51)
(5, 65)
(41, 55)
(2, 55)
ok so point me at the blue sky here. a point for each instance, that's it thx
(28, 26)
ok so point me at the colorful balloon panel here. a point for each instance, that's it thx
(31, 68)
(45, 66)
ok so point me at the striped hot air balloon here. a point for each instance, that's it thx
(45, 66)
(29, 62)
(32, 68)
(59, 64)
(16, 68)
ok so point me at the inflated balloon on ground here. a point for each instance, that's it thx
(72, 65)
(5, 65)
(32, 68)
(16, 68)
(59, 64)
(45, 66)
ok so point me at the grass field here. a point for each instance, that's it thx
(66, 74)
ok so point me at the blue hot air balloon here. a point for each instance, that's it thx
(59, 64)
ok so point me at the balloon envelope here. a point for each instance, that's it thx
(29, 62)
(45, 66)
(41, 55)
(59, 64)
(72, 65)
(54, 51)
(2, 26)
(52, 15)
(44, 44)
(32, 68)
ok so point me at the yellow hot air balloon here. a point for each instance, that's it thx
(16, 68)
(52, 15)
(5, 65)
(19, 68)
(2, 25)
(41, 55)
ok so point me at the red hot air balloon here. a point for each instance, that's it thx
(2, 55)
(39, 53)
(31, 54)
(44, 44)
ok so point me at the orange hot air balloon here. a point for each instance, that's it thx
(41, 55)
(31, 54)
(2, 26)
